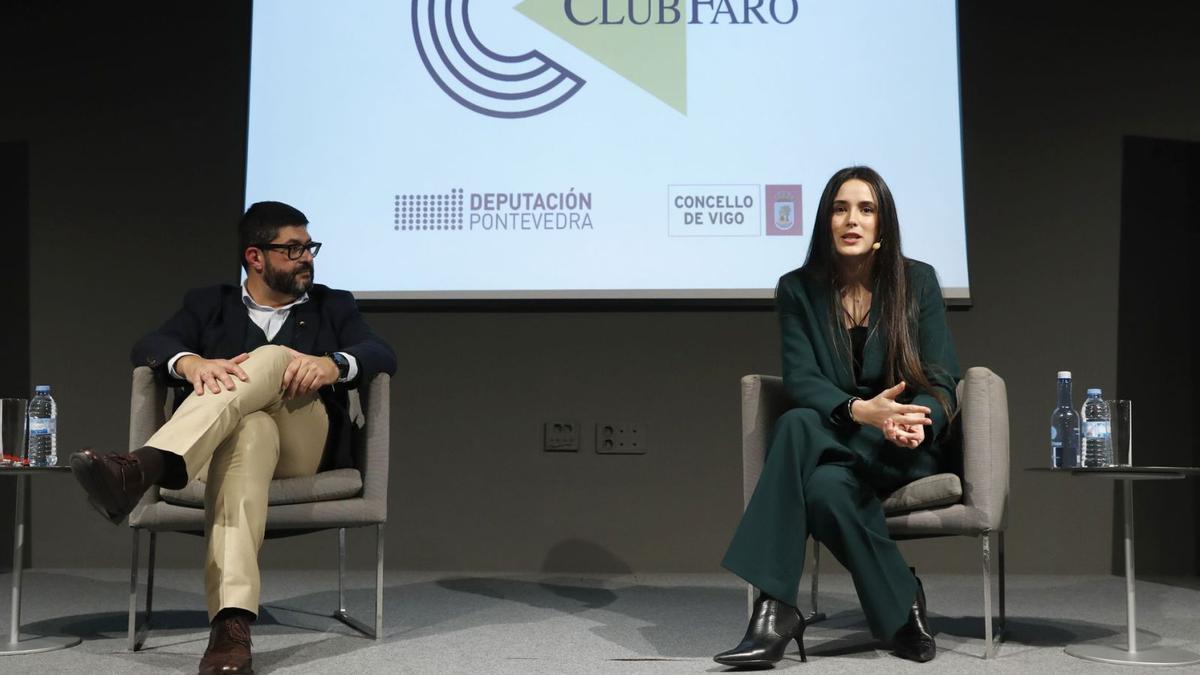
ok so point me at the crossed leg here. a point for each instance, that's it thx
(237, 441)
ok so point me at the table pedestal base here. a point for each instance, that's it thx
(1154, 656)
(33, 645)
(29, 644)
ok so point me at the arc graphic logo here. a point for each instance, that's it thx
(643, 41)
(479, 78)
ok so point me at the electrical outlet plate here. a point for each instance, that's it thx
(620, 439)
(561, 436)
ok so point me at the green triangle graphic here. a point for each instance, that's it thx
(652, 56)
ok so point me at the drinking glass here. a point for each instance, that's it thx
(1121, 428)
(13, 434)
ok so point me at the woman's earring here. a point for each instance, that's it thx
(875, 246)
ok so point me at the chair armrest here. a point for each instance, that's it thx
(763, 401)
(147, 412)
(983, 405)
(376, 405)
(147, 406)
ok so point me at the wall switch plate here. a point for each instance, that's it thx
(562, 436)
(620, 439)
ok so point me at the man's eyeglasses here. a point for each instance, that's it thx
(294, 251)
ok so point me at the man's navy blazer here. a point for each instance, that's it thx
(213, 323)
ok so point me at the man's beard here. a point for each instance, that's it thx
(288, 283)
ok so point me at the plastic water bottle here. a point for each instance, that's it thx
(1097, 432)
(43, 428)
(1064, 427)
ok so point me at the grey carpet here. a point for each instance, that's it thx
(463, 623)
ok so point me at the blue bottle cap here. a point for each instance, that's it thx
(1094, 392)
(42, 389)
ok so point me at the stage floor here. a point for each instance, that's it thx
(654, 623)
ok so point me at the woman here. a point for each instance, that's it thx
(869, 365)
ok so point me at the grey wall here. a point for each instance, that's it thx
(136, 136)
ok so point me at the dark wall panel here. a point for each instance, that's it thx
(14, 307)
(1156, 360)
(1156, 364)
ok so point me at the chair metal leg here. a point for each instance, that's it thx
(379, 581)
(816, 614)
(341, 569)
(137, 634)
(987, 595)
(342, 614)
(133, 579)
(150, 581)
(992, 641)
(1000, 562)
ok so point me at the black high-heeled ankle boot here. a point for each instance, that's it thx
(772, 626)
(914, 641)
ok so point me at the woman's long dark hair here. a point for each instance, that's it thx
(889, 281)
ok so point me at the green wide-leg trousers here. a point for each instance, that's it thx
(813, 484)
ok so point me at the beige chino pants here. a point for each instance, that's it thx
(237, 441)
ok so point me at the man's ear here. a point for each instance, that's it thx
(254, 259)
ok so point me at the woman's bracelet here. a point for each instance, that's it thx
(850, 409)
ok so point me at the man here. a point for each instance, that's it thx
(268, 366)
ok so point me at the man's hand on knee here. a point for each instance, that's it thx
(306, 374)
(211, 373)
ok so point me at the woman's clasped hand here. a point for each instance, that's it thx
(901, 423)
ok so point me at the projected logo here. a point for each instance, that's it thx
(713, 211)
(783, 210)
(526, 211)
(479, 78)
(643, 41)
(432, 211)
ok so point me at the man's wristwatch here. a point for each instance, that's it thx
(343, 365)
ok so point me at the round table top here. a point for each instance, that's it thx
(10, 470)
(1126, 472)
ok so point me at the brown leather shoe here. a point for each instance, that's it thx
(228, 650)
(114, 483)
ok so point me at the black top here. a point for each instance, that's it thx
(858, 341)
(858, 344)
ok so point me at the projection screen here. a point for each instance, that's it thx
(581, 149)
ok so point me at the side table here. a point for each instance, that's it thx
(1130, 655)
(30, 644)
